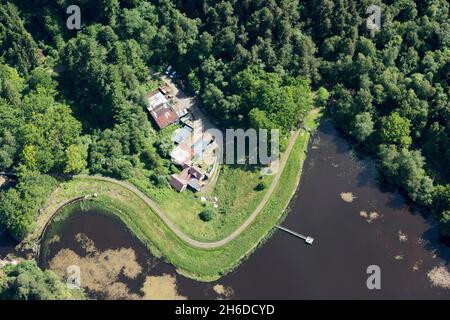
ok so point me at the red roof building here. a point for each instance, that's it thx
(190, 176)
(160, 110)
(178, 183)
(164, 115)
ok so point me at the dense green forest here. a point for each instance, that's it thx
(390, 90)
(71, 101)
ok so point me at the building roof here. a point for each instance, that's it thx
(155, 99)
(195, 184)
(160, 110)
(182, 112)
(188, 120)
(196, 172)
(181, 135)
(190, 176)
(182, 154)
(185, 175)
(163, 115)
(177, 183)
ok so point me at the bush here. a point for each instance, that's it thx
(207, 215)
(159, 181)
(261, 186)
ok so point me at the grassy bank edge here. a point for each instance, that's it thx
(209, 265)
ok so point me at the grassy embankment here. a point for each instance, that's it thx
(200, 264)
(235, 190)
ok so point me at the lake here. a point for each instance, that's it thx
(339, 202)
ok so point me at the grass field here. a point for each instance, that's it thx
(235, 190)
(200, 264)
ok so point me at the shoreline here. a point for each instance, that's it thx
(226, 257)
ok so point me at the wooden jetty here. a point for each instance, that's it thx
(307, 239)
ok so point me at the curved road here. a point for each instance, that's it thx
(195, 243)
(174, 228)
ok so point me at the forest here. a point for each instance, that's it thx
(390, 90)
(71, 101)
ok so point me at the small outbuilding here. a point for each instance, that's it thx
(177, 183)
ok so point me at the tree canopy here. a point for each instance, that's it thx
(26, 281)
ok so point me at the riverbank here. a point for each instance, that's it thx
(205, 263)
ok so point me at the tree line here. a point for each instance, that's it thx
(390, 89)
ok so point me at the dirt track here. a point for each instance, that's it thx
(173, 227)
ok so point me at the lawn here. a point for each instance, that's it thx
(235, 190)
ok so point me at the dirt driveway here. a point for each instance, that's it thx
(183, 101)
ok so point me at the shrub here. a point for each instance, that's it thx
(207, 215)
(261, 186)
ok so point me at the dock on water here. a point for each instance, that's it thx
(308, 240)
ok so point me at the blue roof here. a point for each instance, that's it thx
(182, 134)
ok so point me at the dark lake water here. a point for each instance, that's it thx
(405, 245)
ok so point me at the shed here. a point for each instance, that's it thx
(195, 184)
(182, 134)
(177, 183)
